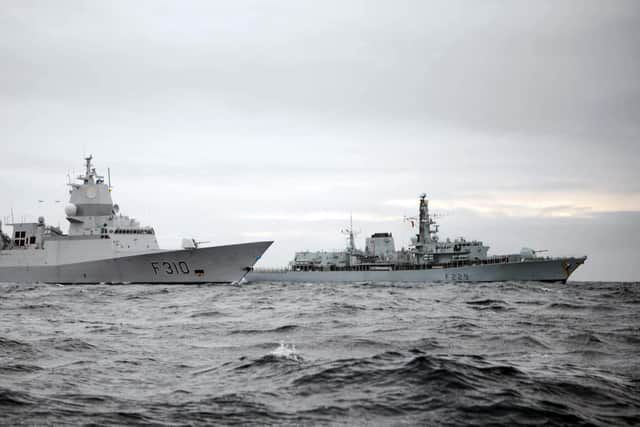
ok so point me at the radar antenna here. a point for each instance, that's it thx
(88, 160)
(410, 219)
(351, 244)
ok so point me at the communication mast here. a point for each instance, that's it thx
(351, 241)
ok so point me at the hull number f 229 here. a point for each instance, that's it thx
(456, 277)
(170, 268)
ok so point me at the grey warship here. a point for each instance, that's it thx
(104, 246)
(428, 259)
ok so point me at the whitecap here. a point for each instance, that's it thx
(286, 351)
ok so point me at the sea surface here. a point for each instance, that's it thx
(290, 354)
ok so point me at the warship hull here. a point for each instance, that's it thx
(218, 264)
(542, 270)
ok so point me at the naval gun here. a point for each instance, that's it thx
(191, 243)
(528, 253)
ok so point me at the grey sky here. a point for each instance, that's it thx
(239, 120)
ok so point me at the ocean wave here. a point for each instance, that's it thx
(489, 304)
(21, 350)
(268, 360)
(343, 308)
(354, 342)
(423, 344)
(10, 398)
(211, 313)
(415, 376)
(567, 306)
(486, 302)
(597, 399)
(122, 417)
(231, 408)
(147, 294)
(589, 354)
(88, 399)
(366, 411)
(585, 338)
(426, 383)
(507, 412)
(285, 355)
(603, 307)
(9, 343)
(530, 302)
(37, 307)
(18, 368)
(462, 324)
(66, 344)
(383, 354)
(278, 329)
(518, 343)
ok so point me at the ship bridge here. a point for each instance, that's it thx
(91, 212)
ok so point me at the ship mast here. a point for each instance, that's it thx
(424, 223)
(351, 242)
(88, 173)
(426, 236)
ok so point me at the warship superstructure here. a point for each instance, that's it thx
(428, 259)
(104, 246)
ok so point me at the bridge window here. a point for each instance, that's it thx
(20, 238)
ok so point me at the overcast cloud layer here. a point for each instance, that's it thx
(246, 120)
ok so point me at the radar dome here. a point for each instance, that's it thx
(70, 209)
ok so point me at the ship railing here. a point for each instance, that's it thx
(272, 270)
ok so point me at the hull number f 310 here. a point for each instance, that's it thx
(170, 268)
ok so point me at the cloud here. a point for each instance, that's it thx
(317, 216)
(528, 203)
(554, 69)
(225, 119)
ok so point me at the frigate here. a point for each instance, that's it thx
(104, 246)
(427, 259)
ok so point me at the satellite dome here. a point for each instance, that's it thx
(71, 209)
